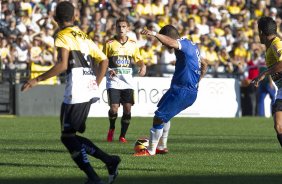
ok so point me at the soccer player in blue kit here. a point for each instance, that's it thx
(189, 69)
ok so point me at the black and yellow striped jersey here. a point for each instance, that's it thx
(122, 57)
(81, 83)
(274, 55)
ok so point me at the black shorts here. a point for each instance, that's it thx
(73, 117)
(277, 106)
(120, 96)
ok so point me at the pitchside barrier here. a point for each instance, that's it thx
(217, 97)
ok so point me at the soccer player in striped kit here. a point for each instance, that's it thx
(123, 53)
(77, 56)
(267, 28)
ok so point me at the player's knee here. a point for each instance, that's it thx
(158, 126)
(112, 114)
(126, 117)
(67, 140)
(278, 128)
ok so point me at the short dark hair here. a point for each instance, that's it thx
(267, 26)
(170, 31)
(64, 12)
(122, 19)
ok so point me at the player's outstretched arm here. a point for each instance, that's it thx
(277, 67)
(257, 80)
(204, 67)
(54, 71)
(167, 41)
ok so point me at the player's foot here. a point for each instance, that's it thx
(143, 153)
(110, 136)
(122, 140)
(162, 151)
(94, 182)
(113, 168)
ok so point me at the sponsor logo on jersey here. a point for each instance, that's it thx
(88, 72)
(123, 62)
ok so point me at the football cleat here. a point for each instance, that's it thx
(94, 182)
(162, 151)
(113, 168)
(122, 140)
(143, 153)
(110, 136)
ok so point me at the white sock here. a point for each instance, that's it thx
(163, 140)
(155, 135)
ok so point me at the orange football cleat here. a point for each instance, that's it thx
(143, 153)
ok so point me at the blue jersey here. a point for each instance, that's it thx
(188, 66)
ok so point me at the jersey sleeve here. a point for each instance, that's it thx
(97, 54)
(105, 49)
(184, 44)
(277, 50)
(61, 41)
(137, 55)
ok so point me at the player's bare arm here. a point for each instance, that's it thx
(167, 41)
(142, 70)
(54, 71)
(277, 67)
(204, 67)
(112, 73)
(102, 69)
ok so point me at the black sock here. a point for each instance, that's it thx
(112, 118)
(279, 137)
(125, 121)
(79, 156)
(93, 150)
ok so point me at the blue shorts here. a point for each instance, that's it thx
(173, 102)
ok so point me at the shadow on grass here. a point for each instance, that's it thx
(254, 179)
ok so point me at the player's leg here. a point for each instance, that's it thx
(158, 123)
(73, 118)
(111, 161)
(113, 101)
(277, 117)
(173, 102)
(127, 100)
(162, 145)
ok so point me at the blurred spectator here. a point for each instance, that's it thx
(266, 88)
(5, 53)
(19, 54)
(147, 53)
(229, 24)
(225, 64)
(167, 62)
(36, 52)
(240, 57)
(211, 58)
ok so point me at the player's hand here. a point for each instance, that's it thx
(147, 32)
(29, 84)
(256, 81)
(112, 74)
(142, 71)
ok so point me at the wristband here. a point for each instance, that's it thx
(154, 33)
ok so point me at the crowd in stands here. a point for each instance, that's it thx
(225, 31)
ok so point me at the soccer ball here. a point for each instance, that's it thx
(141, 144)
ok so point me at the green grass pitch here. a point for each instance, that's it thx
(202, 151)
